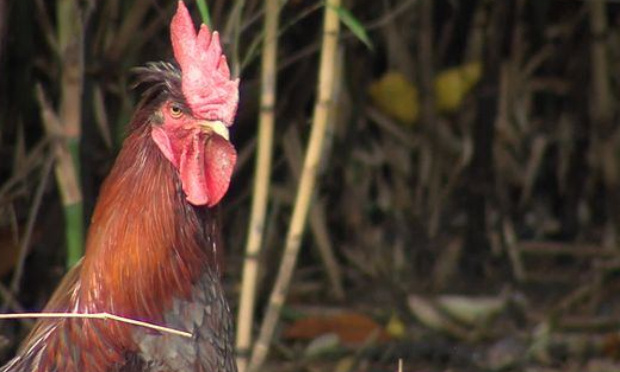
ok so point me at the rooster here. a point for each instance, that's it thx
(152, 244)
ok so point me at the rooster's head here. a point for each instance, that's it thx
(196, 101)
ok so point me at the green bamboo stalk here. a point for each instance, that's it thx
(70, 41)
(203, 8)
(307, 184)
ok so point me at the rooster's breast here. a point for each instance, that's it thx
(206, 315)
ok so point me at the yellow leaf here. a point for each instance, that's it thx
(453, 85)
(396, 96)
(395, 327)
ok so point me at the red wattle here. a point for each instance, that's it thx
(205, 167)
(220, 159)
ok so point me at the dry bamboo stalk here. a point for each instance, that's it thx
(514, 253)
(260, 196)
(292, 150)
(601, 104)
(306, 186)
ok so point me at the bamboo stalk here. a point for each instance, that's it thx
(205, 15)
(306, 186)
(66, 178)
(292, 149)
(71, 43)
(260, 196)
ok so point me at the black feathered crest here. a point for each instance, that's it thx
(159, 79)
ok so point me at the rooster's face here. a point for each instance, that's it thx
(198, 148)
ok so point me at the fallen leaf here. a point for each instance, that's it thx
(351, 328)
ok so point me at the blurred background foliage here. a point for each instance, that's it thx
(471, 163)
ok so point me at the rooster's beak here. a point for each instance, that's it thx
(216, 127)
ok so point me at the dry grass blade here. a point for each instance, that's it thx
(306, 186)
(103, 124)
(102, 316)
(129, 29)
(262, 176)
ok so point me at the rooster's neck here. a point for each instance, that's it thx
(147, 251)
(146, 244)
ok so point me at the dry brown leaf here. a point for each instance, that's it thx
(352, 328)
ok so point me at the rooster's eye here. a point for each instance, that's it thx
(175, 111)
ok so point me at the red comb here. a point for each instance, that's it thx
(205, 76)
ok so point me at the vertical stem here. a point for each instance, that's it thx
(426, 56)
(307, 183)
(4, 9)
(601, 116)
(233, 27)
(261, 184)
(204, 13)
(426, 77)
(480, 174)
(70, 41)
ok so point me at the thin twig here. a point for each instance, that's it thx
(32, 162)
(252, 49)
(307, 183)
(262, 175)
(46, 24)
(11, 302)
(314, 47)
(32, 217)
(232, 30)
(126, 33)
(101, 316)
(390, 15)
